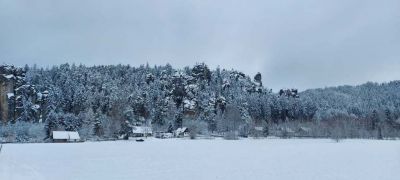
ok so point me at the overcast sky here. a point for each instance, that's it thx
(302, 44)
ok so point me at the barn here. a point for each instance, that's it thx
(65, 136)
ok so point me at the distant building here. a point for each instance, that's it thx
(303, 132)
(141, 131)
(163, 135)
(65, 136)
(182, 132)
(258, 131)
(259, 128)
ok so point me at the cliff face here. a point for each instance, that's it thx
(19, 100)
(5, 89)
(10, 79)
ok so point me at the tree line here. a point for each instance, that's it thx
(105, 101)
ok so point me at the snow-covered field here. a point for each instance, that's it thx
(204, 159)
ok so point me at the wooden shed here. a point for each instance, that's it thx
(65, 136)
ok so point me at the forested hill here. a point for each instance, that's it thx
(359, 101)
(104, 101)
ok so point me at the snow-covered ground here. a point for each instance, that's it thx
(177, 159)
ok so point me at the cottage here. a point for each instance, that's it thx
(141, 131)
(182, 132)
(65, 136)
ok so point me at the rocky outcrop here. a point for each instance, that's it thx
(19, 100)
(10, 78)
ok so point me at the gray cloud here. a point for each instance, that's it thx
(303, 44)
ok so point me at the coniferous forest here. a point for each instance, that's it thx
(103, 102)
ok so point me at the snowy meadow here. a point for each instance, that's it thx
(199, 90)
(204, 159)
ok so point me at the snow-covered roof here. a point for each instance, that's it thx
(74, 135)
(69, 135)
(141, 130)
(181, 130)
